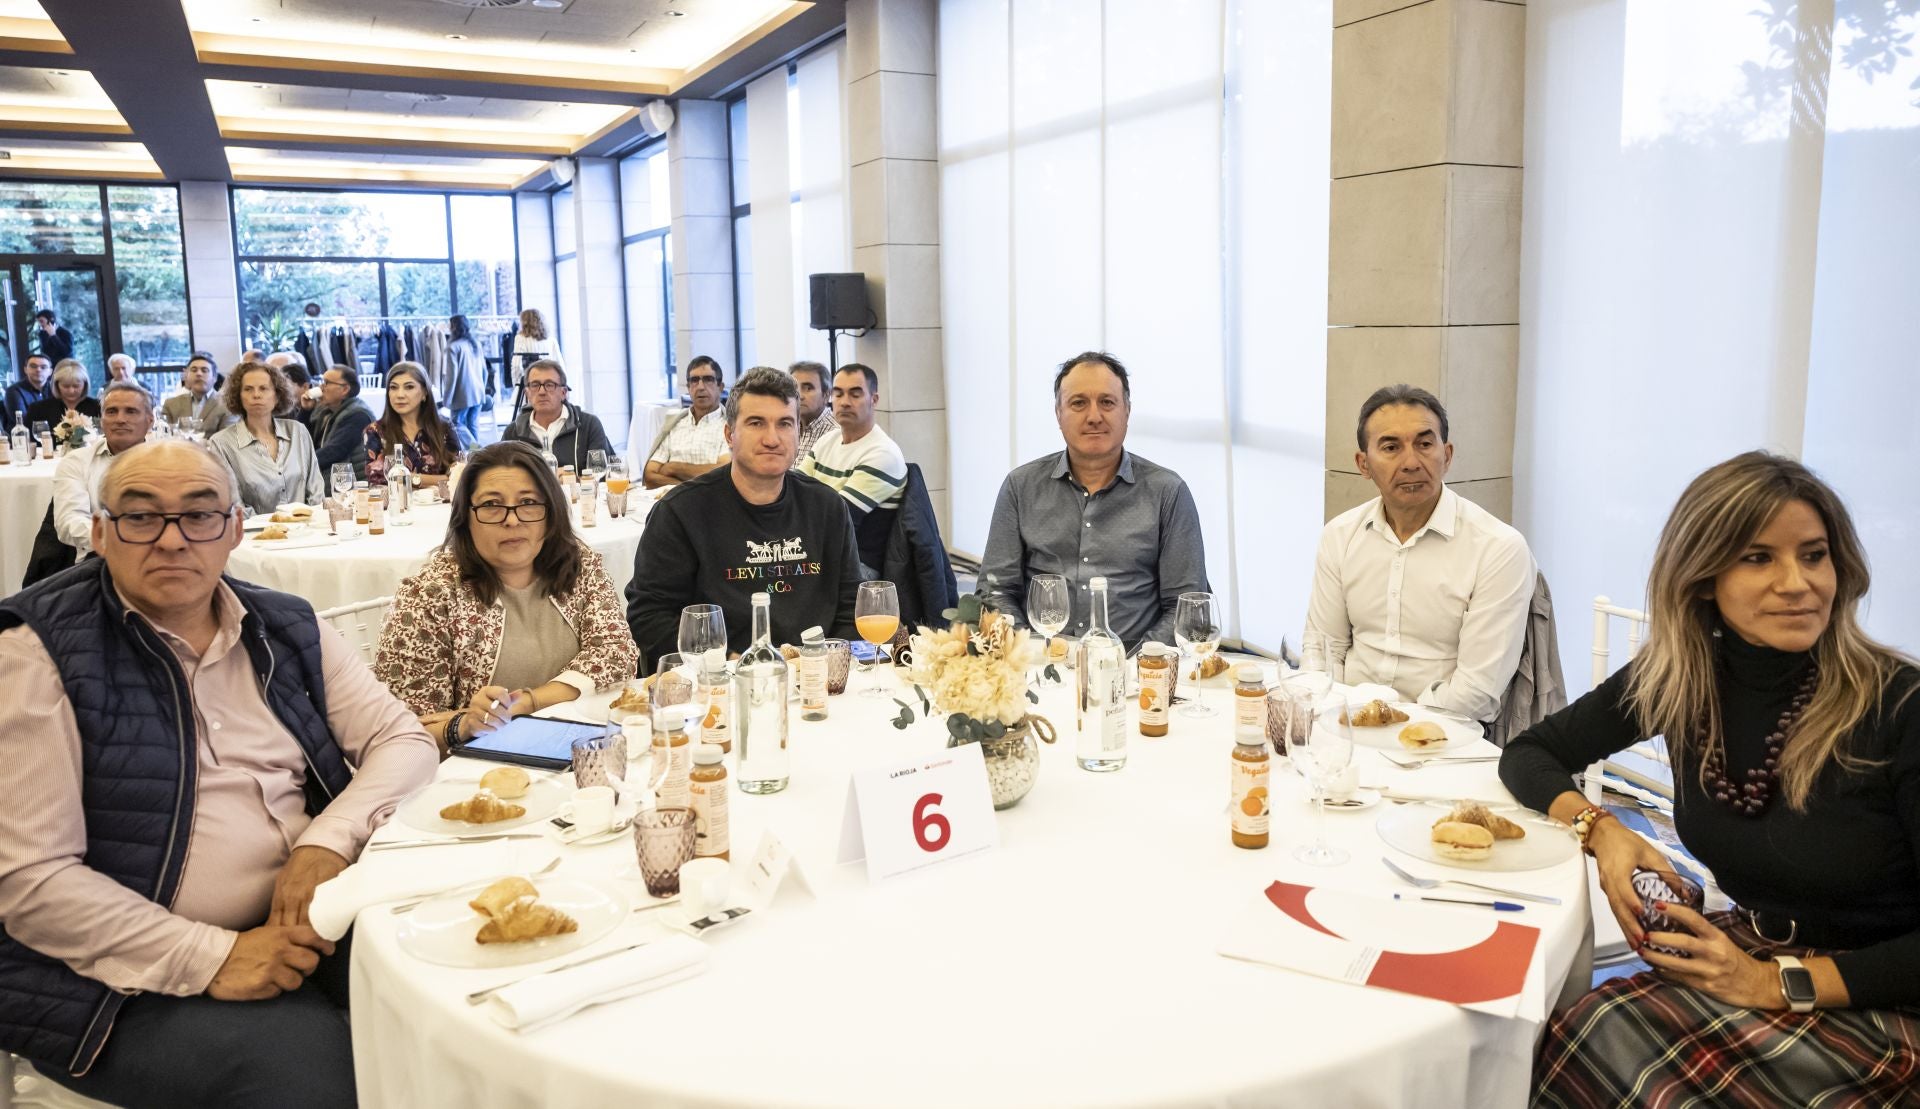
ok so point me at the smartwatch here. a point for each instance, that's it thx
(1796, 984)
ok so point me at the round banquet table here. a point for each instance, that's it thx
(338, 572)
(25, 493)
(1074, 964)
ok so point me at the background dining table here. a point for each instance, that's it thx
(329, 571)
(25, 493)
(1075, 964)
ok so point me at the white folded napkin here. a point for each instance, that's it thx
(1369, 691)
(545, 998)
(382, 876)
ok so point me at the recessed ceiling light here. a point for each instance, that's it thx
(418, 97)
(675, 14)
(456, 38)
(5, 155)
(549, 3)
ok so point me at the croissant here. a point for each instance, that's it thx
(1473, 812)
(482, 808)
(526, 919)
(1375, 714)
(498, 897)
(1209, 666)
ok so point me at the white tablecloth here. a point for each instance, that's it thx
(25, 493)
(347, 571)
(1074, 965)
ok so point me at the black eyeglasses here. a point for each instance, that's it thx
(703, 380)
(141, 528)
(531, 512)
(544, 386)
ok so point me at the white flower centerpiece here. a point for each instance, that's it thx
(975, 671)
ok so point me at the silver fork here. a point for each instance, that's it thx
(409, 906)
(1433, 883)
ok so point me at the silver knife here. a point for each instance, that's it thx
(477, 996)
(402, 844)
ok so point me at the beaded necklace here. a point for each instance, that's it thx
(1750, 797)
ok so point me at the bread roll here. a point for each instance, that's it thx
(1466, 842)
(1421, 735)
(1473, 812)
(506, 781)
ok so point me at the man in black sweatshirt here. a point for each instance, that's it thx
(747, 527)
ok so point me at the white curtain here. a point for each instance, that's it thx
(1115, 179)
(1720, 250)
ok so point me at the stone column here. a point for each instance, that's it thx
(1423, 281)
(206, 235)
(602, 384)
(702, 235)
(894, 187)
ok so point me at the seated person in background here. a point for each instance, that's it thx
(120, 367)
(126, 416)
(1419, 588)
(294, 365)
(200, 408)
(1096, 510)
(70, 388)
(860, 462)
(1795, 743)
(552, 423)
(29, 389)
(271, 456)
(692, 441)
(512, 570)
(816, 414)
(155, 908)
(748, 527)
(412, 423)
(338, 422)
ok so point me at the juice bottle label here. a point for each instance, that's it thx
(1250, 797)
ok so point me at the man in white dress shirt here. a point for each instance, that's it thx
(1419, 588)
(126, 416)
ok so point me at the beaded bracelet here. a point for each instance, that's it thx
(1585, 821)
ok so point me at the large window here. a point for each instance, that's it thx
(368, 257)
(646, 216)
(106, 259)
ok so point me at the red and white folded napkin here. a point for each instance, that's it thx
(548, 998)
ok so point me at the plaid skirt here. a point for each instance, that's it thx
(1644, 1041)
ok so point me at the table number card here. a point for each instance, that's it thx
(772, 869)
(911, 815)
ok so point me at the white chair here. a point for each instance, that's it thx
(22, 1087)
(1657, 777)
(360, 624)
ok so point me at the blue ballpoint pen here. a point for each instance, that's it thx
(1496, 906)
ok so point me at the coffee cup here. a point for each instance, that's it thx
(704, 886)
(592, 810)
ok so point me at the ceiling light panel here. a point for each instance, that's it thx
(257, 164)
(79, 158)
(619, 34)
(351, 108)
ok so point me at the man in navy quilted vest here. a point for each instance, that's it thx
(183, 758)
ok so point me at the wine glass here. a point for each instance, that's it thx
(342, 476)
(1320, 745)
(1196, 629)
(703, 628)
(596, 464)
(1049, 606)
(876, 613)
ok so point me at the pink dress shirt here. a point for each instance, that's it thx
(249, 811)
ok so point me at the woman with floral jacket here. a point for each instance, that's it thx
(511, 615)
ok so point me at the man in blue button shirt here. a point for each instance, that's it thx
(1095, 510)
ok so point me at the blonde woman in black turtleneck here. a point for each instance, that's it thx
(1795, 742)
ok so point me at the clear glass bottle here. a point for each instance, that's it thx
(546, 455)
(708, 786)
(760, 697)
(399, 485)
(22, 439)
(813, 674)
(1102, 743)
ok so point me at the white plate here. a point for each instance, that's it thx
(1408, 829)
(441, 931)
(1460, 733)
(422, 810)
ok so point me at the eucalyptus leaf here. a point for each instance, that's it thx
(995, 729)
(901, 721)
(1033, 697)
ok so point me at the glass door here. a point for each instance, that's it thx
(75, 293)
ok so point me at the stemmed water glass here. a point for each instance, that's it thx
(342, 474)
(1196, 629)
(1320, 745)
(1049, 607)
(876, 613)
(596, 464)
